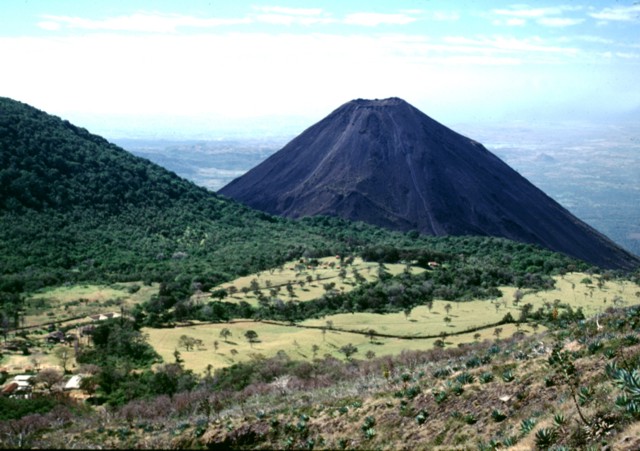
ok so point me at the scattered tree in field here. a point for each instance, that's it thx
(314, 349)
(370, 355)
(63, 354)
(188, 343)
(496, 332)
(447, 320)
(219, 294)
(216, 345)
(254, 285)
(289, 288)
(328, 286)
(371, 333)
(251, 336)
(348, 350)
(517, 296)
(407, 312)
(225, 334)
(477, 336)
(329, 324)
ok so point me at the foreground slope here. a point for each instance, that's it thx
(386, 163)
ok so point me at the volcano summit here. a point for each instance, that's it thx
(386, 163)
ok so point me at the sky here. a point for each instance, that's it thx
(184, 68)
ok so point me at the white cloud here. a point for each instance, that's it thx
(444, 16)
(277, 15)
(140, 22)
(618, 14)
(375, 19)
(290, 11)
(558, 21)
(518, 15)
(50, 25)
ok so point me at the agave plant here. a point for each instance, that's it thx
(527, 426)
(498, 415)
(508, 376)
(545, 437)
(486, 377)
(470, 418)
(585, 394)
(629, 383)
(465, 378)
(559, 420)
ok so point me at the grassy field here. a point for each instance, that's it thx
(298, 342)
(63, 303)
(577, 290)
(307, 282)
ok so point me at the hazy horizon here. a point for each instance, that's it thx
(193, 69)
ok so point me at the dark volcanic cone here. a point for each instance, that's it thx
(386, 163)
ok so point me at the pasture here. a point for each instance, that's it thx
(317, 337)
(61, 304)
(303, 282)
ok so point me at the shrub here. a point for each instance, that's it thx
(421, 417)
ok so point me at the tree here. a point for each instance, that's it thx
(63, 354)
(348, 350)
(447, 308)
(187, 342)
(225, 334)
(314, 349)
(476, 336)
(48, 377)
(371, 333)
(497, 331)
(251, 336)
(517, 297)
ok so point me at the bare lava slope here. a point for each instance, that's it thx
(386, 163)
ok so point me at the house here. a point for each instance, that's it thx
(10, 389)
(20, 387)
(55, 337)
(73, 383)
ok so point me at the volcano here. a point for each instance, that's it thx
(386, 163)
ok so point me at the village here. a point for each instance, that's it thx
(41, 366)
